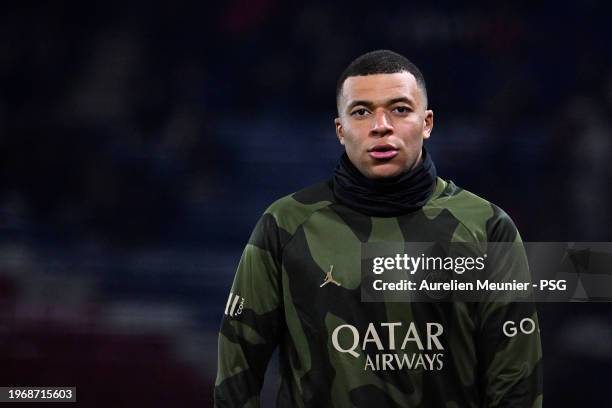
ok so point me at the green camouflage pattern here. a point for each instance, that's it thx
(277, 300)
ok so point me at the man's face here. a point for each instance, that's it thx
(383, 121)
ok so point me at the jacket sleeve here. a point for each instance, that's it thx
(251, 320)
(508, 340)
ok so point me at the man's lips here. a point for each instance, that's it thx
(383, 152)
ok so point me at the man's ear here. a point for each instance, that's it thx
(428, 124)
(339, 130)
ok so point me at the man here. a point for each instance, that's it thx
(298, 284)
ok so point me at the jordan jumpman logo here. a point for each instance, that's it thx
(329, 278)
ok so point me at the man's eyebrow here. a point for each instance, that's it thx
(369, 104)
(401, 99)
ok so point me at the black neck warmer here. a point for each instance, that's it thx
(388, 197)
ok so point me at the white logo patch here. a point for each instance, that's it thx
(234, 305)
(330, 278)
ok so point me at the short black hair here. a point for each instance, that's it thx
(381, 62)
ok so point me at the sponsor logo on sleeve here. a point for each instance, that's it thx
(234, 305)
(525, 326)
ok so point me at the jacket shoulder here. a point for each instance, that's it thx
(294, 209)
(485, 220)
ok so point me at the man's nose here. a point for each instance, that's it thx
(382, 124)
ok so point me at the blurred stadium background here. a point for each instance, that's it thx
(140, 142)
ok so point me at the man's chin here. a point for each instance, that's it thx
(386, 170)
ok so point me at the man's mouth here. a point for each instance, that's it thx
(383, 151)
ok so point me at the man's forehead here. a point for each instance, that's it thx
(380, 86)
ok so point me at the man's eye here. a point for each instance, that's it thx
(402, 109)
(359, 112)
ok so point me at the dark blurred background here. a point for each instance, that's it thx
(140, 142)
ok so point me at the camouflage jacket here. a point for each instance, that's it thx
(277, 299)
